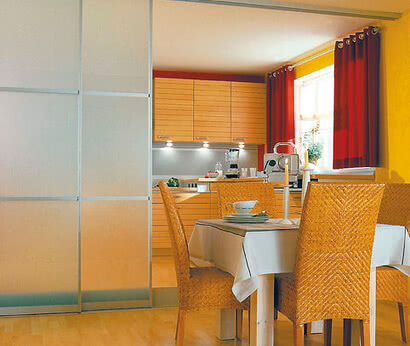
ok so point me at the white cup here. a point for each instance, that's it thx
(243, 207)
(252, 172)
(244, 172)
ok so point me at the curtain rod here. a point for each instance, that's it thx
(376, 30)
(313, 57)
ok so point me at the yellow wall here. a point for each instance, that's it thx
(394, 97)
(315, 64)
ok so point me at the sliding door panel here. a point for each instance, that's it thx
(38, 145)
(115, 146)
(38, 256)
(39, 43)
(114, 254)
(115, 45)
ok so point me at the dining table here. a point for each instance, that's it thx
(254, 253)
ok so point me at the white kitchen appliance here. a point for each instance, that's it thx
(232, 158)
(274, 164)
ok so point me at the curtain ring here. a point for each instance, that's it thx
(290, 68)
(340, 45)
(375, 30)
(361, 36)
(274, 74)
(354, 39)
(347, 42)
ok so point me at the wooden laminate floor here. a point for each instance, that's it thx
(157, 327)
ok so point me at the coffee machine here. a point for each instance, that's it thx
(275, 164)
(232, 158)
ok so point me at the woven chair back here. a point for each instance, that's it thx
(334, 251)
(177, 235)
(395, 206)
(264, 193)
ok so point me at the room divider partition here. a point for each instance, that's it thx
(75, 155)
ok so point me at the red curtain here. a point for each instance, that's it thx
(281, 108)
(356, 111)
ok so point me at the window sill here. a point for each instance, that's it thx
(365, 173)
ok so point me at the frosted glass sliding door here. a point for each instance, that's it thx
(116, 45)
(116, 154)
(38, 256)
(39, 43)
(38, 145)
(115, 146)
(114, 254)
(75, 155)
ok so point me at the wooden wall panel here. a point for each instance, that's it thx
(173, 109)
(212, 111)
(248, 113)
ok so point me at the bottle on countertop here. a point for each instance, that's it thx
(219, 170)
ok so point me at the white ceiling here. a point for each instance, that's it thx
(216, 38)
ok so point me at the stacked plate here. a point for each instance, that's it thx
(246, 218)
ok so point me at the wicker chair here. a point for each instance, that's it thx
(334, 250)
(264, 193)
(198, 288)
(391, 284)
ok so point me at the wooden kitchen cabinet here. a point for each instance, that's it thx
(212, 111)
(248, 113)
(187, 110)
(173, 109)
(192, 206)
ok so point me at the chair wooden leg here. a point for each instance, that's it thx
(299, 334)
(275, 314)
(364, 333)
(176, 331)
(249, 324)
(327, 332)
(180, 327)
(238, 323)
(347, 332)
(308, 329)
(403, 313)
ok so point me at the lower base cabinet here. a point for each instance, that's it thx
(195, 206)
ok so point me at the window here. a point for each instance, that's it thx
(314, 115)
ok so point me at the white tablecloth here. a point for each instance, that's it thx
(247, 251)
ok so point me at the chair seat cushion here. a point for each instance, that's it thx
(391, 284)
(210, 288)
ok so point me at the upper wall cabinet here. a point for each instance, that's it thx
(173, 109)
(212, 111)
(39, 44)
(114, 57)
(249, 112)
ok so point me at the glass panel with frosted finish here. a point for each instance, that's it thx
(38, 145)
(38, 253)
(115, 45)
(39, 43)
(114, 251)
(115, 146)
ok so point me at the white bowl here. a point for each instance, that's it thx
(244, 207)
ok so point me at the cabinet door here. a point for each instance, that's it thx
(173, 109)
(248, 113)
(212, 111)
